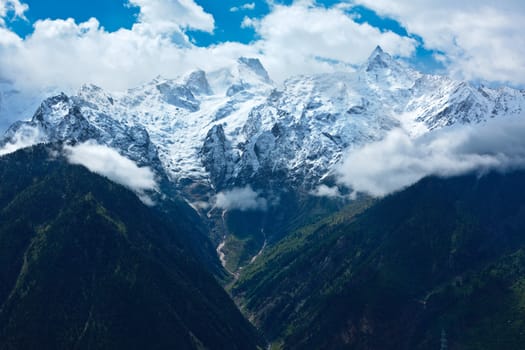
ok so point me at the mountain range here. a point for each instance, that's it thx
(210, 132)
(438, 265)
(235, 184)
(86, 265)
(234, 126)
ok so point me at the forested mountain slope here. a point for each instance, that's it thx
(440, 262)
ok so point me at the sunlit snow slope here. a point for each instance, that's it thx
(227, 128)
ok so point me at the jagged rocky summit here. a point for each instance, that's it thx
(211, 131)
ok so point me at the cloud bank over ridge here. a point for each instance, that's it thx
(399, 161)
(110, 163)
(243, 199)
(477, 40)
(66, 54)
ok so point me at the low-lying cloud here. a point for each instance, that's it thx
(399, 161)
(243, 199)
(26, 136)
(326, 191)
(108, 162)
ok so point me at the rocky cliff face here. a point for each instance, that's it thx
(234, 126)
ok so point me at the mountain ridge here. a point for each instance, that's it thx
(445, 255)
(86, 265)
(300, 129)
(207, 133)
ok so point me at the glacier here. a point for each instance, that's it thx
(206, 132)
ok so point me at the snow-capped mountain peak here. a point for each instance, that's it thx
(245, 74)
(249, 66)
(232, 126)
(198, 83)
(378, 59)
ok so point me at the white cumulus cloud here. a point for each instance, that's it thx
(62, 52)
(326, 191)
(166, 15)
(110, 163)
(243, 199)
(247, 6)
(294, 37)
(399, 161)
(26, 136)
(480, 39)
(247, 22)
(15, 8)
(67, 54)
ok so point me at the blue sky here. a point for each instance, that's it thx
(476, 40)
(113, 14)
(228, 15)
